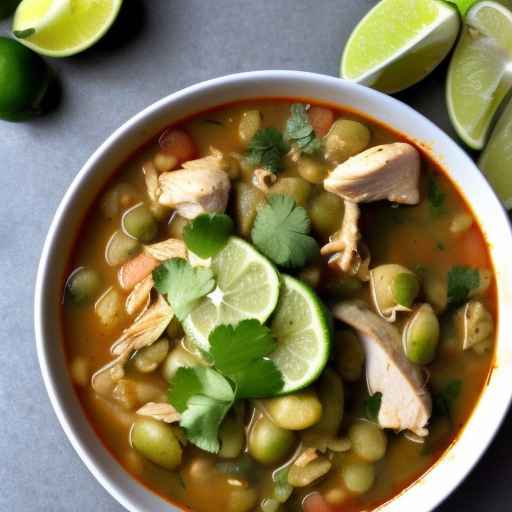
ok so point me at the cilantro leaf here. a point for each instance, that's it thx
(435, 196)
(198, 381)
(204, 397)
(463, 5)
(208, 233)
(281, 232)
(183, 284)
(266, 149)
(300, 132)
(444, 400)
(238, 352)
(372, 406)
(461, 280)
(202, 420)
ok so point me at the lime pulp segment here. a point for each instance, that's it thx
(301, 329)
(64, 27)
(480, 75)
(247, 287)
(399, 42)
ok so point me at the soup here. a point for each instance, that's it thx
(279, 306)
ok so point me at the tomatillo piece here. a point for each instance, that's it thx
(24, 81)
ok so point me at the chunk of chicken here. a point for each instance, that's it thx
(344, 245)
(160, 411)
(405, 404)
(202, 186)
(389, 171)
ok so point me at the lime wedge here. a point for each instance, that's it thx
(59, 28)
(496, 160)
(302, 331)
(480, 73)
(247, 287)
(399, 42)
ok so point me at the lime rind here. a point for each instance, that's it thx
(374, 56)
(247, 287)
(478, 77)
(301, 326)
(64, 27)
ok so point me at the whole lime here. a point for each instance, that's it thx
(24, 81)
(7, 7)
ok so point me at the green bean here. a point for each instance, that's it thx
(247, 201)
(358, 477)
(157, 442)
(82, 286)
(232, 436)
(311, 169)
(147, 359)
(421, 335)
(326, 214)
(296, 411)
(368, 441)
(268, 443)
(139, 223)
(250, 123)
(349, 356)
(405, 288)
(346, 138)
(298, 189)
(178, 358)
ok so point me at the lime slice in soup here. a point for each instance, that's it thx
(59, 28)
(496, 160)
(480, 75)
(247, 287)
(301, 328)
(399, 42)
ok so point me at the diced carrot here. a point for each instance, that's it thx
(179, 144)
(321, 120)
(135, 270)
(316, 503)
(473, 249)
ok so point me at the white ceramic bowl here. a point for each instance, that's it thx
(431, 488)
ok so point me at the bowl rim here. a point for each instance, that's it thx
(43, 347)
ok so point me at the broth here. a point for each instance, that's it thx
(430, 239)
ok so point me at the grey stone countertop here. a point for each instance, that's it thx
(157, 47)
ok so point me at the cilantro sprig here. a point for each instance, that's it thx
(266, 149)
(281, 232)
(463, 5)
(300, 132)
(461, 280)
(240, 369)
(182, 284)
(208, 233)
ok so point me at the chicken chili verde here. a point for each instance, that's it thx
(279, 306)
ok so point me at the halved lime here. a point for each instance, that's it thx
(247, 287)
(480, 74)
(59, 28)
(399, 42)
(496, 160)
(301, 328)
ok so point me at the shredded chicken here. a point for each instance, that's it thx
(405, 404)
(145, 330)
(140, 296)
(151, 179)
(389, 171)
(160, 411)
(168, 249)
(200, 186)
(263, 179)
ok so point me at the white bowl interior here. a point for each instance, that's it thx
(434, 486)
